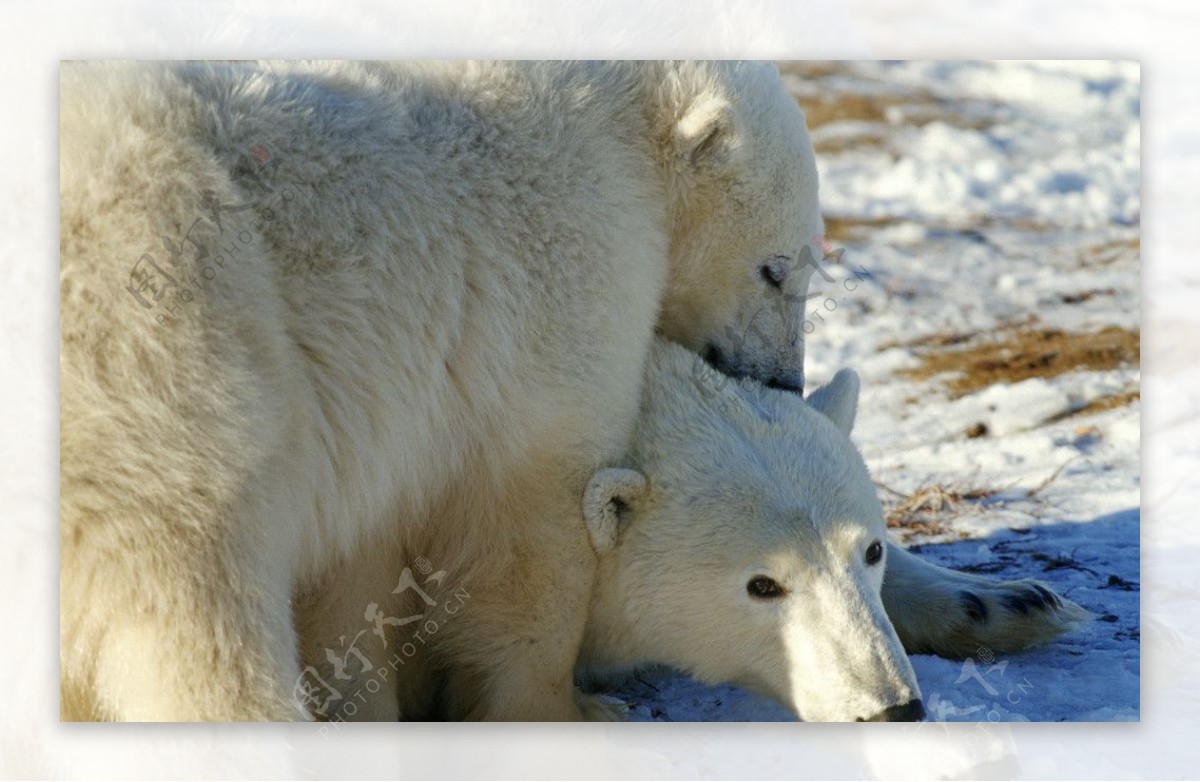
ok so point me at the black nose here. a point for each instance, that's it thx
(712, 355)
(913, 711)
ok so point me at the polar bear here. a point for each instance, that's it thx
(310, 309)
(741, 540)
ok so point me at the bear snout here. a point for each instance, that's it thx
(733, 368)
(913, 711)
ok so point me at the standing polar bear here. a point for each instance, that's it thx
(311, 308)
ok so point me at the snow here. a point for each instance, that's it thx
(1080, 167)
(992, 218)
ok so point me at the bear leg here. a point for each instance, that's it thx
(953, 614)
(339, 642)
(513, 645)
(164, 634)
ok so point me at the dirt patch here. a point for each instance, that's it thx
(846, 227)
(1082, 296)
(1020, 355)
(835, 92)
(976, 430)
(1027, 225)
(827, 107)
(1108, 253)
(841, 229)
(926, 511)
(1108, 403)
(812, 70)
(944, 338)
(916, 109)
(868, 138)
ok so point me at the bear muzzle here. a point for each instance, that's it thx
(913, 711)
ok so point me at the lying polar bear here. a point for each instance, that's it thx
(742, 541)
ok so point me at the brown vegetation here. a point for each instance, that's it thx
(1011, 356)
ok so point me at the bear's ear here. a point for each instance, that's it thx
(610, 492)
(838, 399)
(707, 133)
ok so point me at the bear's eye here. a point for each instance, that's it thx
(874, 553)
(764, 588)
(774, 272)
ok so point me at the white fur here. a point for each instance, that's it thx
(745, 482)
(426, 351)
(727, 481)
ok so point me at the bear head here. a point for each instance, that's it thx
(742, 541)
(745, 220)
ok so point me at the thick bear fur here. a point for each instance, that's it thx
(310, 311)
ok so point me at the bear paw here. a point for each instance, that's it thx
(1007, 616)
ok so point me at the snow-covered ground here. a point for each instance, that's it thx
(990, 215)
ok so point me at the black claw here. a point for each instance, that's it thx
(1048, 596)
(1037, 599)
(975, 608)
(1015, 603)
